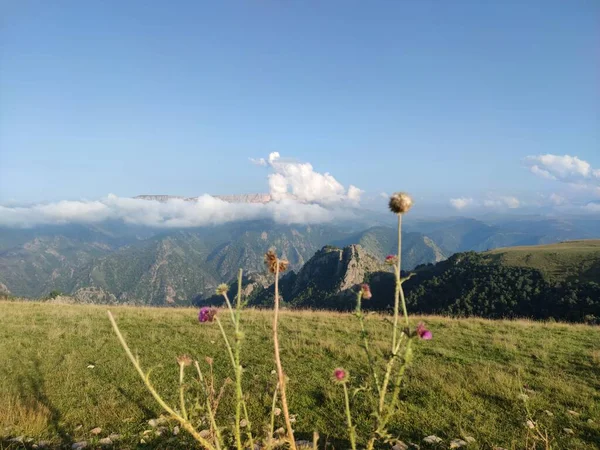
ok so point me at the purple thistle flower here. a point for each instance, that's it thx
(207, 314)
(423, 332)
(340, 375)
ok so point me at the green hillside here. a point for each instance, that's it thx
(562, 261)
(64, 373)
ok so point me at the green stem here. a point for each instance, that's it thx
(184, 423)
(229, 307)
(211, 414)
(272, 430)
(351, 430)
(280, 374)
(398, 383)
(181, 398)
(241, 402)
(238, 433)
(366, 341)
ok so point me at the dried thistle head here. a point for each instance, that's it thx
(222, 289)
(184, 360)
(400, 202)
(273, 263)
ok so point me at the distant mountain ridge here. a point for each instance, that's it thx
(115, 262)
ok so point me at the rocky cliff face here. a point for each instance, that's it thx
(327, 280)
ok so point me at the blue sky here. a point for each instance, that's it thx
(443, 99)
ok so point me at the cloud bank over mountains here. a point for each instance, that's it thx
(299, 195)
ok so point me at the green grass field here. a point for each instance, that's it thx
(562, 261)
(467, 381)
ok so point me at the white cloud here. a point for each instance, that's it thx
(300, 195)
(592, 207)
(258, 162)
(461, 202)
(299, 181)
(565, 168)
(502, 202)
(557, 199)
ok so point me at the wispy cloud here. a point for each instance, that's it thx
(461, 202)
(300, 194)
(496, 202)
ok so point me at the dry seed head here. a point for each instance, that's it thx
(184, 360)
(400, 203)
(222, 289)
(272, 262)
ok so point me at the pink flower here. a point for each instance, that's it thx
(391, 260)
(423, 332)
(207, 314)
(340, 375)
(365, 290)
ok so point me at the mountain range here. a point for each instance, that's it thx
(120, 263)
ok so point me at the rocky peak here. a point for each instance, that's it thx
(336, 270)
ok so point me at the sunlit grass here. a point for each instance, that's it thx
(465, 382)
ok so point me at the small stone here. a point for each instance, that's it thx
(105, 441)
(573, 413)
(277, 411)
(114, 436)
(243, 423)
(568, 430)
(280, 431)
(153, 422)
(469, 439)
(175, 431)
(457, 443)
(142, 441)
(90, 366)
(550, 413)
(433, 439)
(78, 445)
(146, 432)
(590, 421)
(273, 372)
(529, 424)
(400, 446)
(96, 431)
(293, 418)
(160, 431)
(204, 433)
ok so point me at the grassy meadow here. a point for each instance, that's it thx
(561, 261)
(63, 373)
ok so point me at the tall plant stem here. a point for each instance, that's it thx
(238, 385)
(209, 408)
(351, 430)
(241, 403)
(363, 331)
(181, 397)
(184, 423)
(280, 373)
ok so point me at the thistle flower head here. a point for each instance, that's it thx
(423, 332)
(365, 290)
(272, 262)
(400, 202)
(391, 260)
(184, 360)
(340, 375)
(207, 314)
(222, 289)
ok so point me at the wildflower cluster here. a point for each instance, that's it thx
(385, 384)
